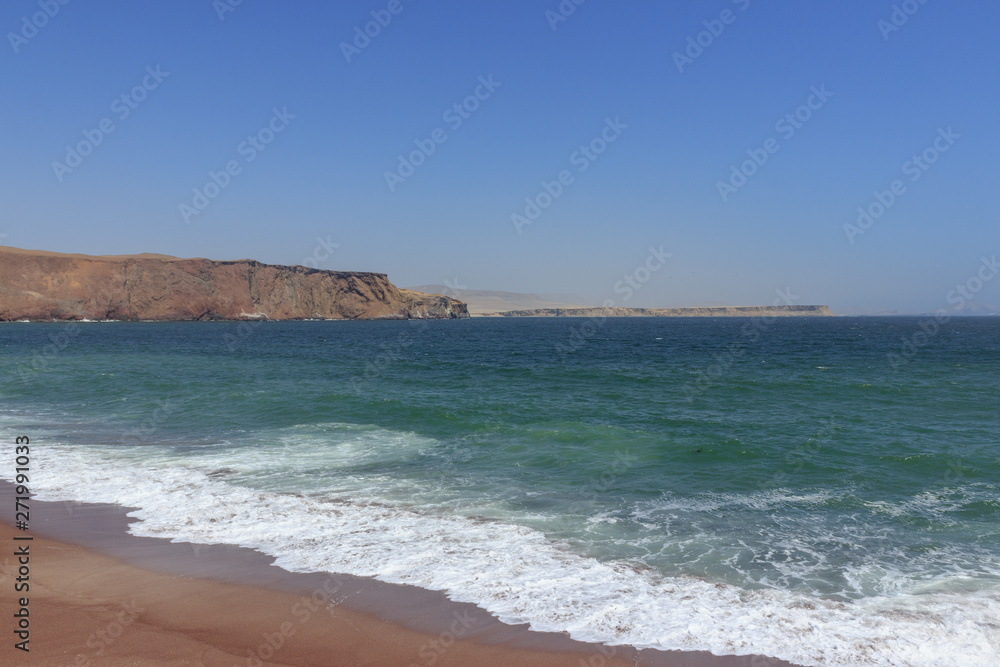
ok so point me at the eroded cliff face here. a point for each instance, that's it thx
(37, 285)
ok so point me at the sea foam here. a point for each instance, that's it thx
(521, 576)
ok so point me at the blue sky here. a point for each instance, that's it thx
(203, 85)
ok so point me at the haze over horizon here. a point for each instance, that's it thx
(711, 153)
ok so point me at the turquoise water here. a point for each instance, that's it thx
(783, 487)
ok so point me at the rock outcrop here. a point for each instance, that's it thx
(38, 285)
(483, 302)
(724, 311)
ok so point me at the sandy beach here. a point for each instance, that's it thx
(101, 597)
(88, 609)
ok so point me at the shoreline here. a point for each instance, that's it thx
(602, 312)
(213, 602)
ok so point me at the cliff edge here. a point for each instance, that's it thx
(39, 285)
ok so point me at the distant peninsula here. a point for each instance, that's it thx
(45, 286)
(722, 311)
(486, 303)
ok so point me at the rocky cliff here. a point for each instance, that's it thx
(726, 311)
(37, 285)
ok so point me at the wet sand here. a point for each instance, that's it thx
(99, 596)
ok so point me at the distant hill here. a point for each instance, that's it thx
(724, 311)
(976, 308)
(486, 301)
(971, 308)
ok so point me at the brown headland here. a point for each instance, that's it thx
(44, 286)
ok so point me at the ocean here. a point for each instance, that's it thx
(821, 490)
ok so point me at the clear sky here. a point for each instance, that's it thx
(667, 99)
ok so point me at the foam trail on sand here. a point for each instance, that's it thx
(519, 575)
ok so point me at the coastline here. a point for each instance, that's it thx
(602, 312)
(219, 604)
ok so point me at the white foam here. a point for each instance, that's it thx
(935, 504)
(846, 556)
(517, 574)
